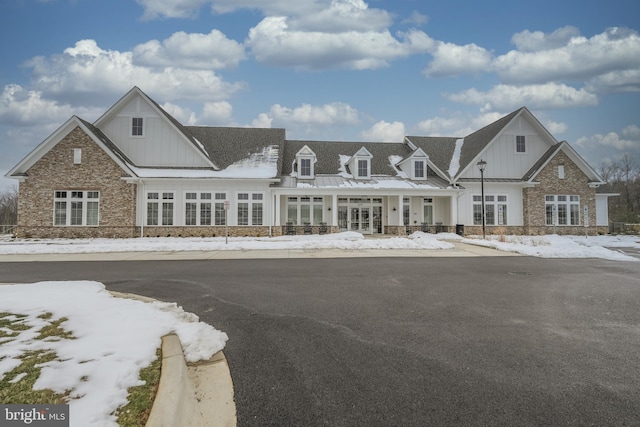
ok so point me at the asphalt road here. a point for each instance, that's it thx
(406, 341)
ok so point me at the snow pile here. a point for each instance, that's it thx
(114, 339)
(555, 246)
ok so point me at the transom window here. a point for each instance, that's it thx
(305, 210)
(197, 208)
(562, 210)
(521, 146)
(137, 126)
(160, 208)
(76, 208)
(250, 209)
(495, 209)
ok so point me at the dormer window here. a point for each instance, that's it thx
(418, 169)
(304, 164)
(360, 164)
(137, 126)
(363, 168)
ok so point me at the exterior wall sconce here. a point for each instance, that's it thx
(329, 208)
(394, 209)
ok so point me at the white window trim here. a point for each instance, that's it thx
(144, 124)
(515, 146)
(424, 169)
(357, 168)
(85, 199)
(198, 201)
(496, 203)
(311, 167)
(250, 201)
(159, 201)
(314, 201)
(556, 211)
(77, 156)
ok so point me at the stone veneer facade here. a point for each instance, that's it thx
(575, 182)
(56, 171)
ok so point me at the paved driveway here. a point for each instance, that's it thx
(407, 342)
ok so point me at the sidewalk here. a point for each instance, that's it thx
(460, 250)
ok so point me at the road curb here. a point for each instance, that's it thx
(198, 395)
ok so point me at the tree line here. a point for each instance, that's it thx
(8, 208)
(622, 177)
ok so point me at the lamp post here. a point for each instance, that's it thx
(482, 165)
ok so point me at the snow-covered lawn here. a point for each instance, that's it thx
(114, 338)
(550, 246)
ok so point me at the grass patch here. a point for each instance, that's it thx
(136, 412)
(17, 385)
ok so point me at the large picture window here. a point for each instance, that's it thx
(197, 208)
(305, 209)
(160, 208)
(250, 209)
(76, 208)
(562, 210)
(495, 209)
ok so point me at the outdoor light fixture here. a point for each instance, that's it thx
(394, 209)
(482, 165)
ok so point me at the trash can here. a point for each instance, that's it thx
(460, 229)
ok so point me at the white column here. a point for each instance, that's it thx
(276, 209)
(334, 210)
(454, 210)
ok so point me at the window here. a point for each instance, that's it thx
(76, 208)
(305, 167)
(160, 212)
(562, 210)
(418, 169)
(137, 126)
(197, 209)
(521, 146)
(220, 212)
(560, 171)
(309, 209)
(77, 156)
(363, 168)
(428, 210)
(406, 211)
(253, 205)
(495, 209)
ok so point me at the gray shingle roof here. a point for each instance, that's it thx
(226, 145)
(107, 142)
(541, 161)
(328, 155)
(439, 149)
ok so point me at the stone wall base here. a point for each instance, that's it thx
(76, 232)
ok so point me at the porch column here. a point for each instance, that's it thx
(334, 210)
(276, 209)
(454, 209)
(400, 210)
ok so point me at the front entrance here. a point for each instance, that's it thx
(361, 214)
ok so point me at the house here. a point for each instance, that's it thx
(137, 171)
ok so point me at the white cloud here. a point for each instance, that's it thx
(154, 9)
(262, 121)
(456, 125)
(273, 42)
(216, 113)
(306, 114)
(556, 128)
(343, 16)
(579, 59)
(451, 59)
(543, 96)
(181, 114)
(189, 51)
(611, 140)
(416, 18)
(527, 41)
(86, 73)
(385, 132)
(632, 132)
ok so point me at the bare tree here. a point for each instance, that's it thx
(623, 177)
(8, 208)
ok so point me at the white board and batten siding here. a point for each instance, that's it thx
(502, 159)
(160, 145)
(514, 202)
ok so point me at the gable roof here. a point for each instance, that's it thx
(179, 128)
(576, 158)
(95, 134)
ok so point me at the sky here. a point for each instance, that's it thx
(327, 69)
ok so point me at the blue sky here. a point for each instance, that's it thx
(327, 69)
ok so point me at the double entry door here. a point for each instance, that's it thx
(365, 218)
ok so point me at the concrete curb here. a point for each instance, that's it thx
(192, 395)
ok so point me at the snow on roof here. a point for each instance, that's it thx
(454, 166)
(393, 161)
(263, 165)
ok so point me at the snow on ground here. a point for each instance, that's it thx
(550, 246)
(114, 339)
(555, 246)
